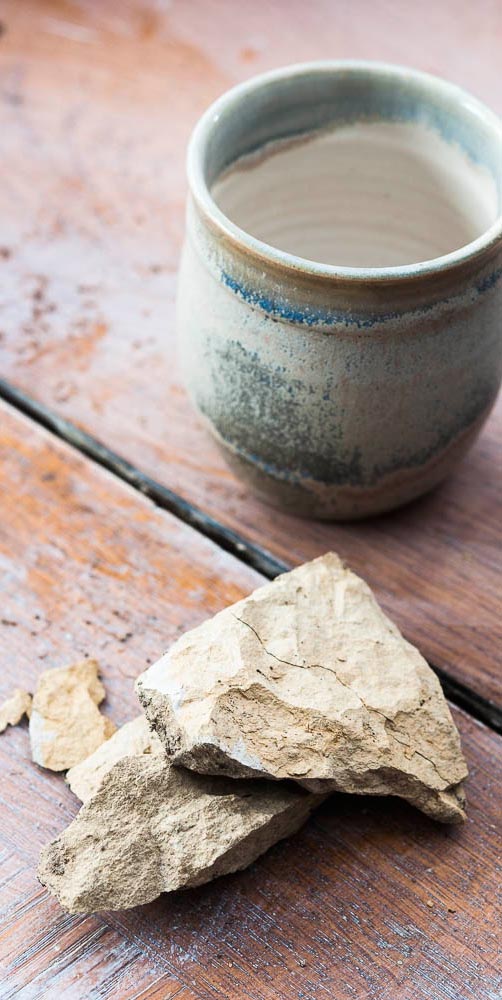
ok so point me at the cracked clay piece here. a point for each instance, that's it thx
(13, 708)
(66, 724)
(150, 827)
(308, 679)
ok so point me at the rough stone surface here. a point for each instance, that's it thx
(150, 827)
(132, 740)
(66, 724)
(308, 679)
(13, 708)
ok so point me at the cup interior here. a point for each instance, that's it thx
(355, 165)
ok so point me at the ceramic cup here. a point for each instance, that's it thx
(340, 294)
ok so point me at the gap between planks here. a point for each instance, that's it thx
(253, 555)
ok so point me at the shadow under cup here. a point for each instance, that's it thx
(340, 294)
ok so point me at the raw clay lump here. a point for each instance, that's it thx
(14, 707)
(308, 679)
(66, 724)
(147, 827)
(132, 740)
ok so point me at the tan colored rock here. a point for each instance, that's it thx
(13, 708)
(66, 724)
(308, 679)
(151, 827)
(132, 740)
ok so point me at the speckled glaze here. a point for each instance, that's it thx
(337, 392)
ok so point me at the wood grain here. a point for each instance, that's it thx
(97, 102)
(45, 954)
(371, 900)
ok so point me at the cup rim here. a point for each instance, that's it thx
(293, 263)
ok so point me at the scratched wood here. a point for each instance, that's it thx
(45, 954)
(97, 102)
(371, 900)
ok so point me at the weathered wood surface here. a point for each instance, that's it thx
(370, 900)
(97, 102)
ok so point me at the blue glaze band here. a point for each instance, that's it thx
(317, 318)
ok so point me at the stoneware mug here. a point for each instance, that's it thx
(340, 294)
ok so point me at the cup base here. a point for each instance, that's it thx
(309, 498)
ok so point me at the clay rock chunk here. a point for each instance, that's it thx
(149, 827)
(66, 724)
(132, 740)
(308, 679)
(13, 708)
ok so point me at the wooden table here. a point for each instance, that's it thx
(120, 526)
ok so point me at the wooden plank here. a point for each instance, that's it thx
(371, 900)
(44, 954)
(98, 103)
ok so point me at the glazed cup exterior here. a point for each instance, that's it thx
(337, 392)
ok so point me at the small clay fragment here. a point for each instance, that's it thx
(66, 724)
(150, 827)
(308, 679)
(13, 708)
